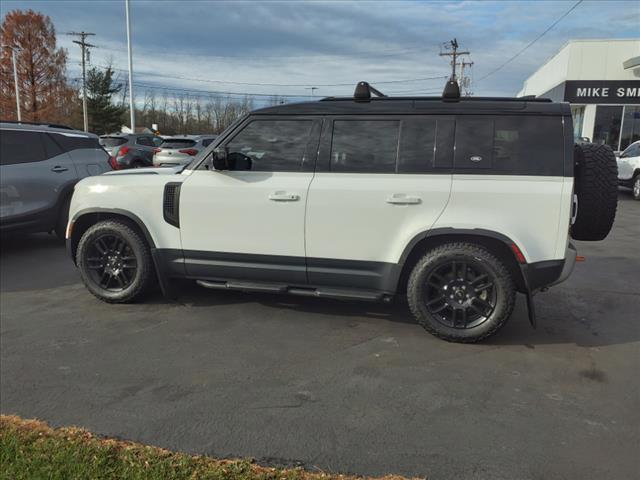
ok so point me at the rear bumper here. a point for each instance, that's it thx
(160, 160)
(545, 274)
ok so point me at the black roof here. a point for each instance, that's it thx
(420, 105)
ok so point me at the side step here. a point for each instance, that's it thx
(317, 292)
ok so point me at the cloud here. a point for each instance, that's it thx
(318, 43)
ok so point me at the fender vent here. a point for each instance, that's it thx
(171, 203)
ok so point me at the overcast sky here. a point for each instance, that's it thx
(268, 47)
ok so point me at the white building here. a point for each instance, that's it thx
(601, 81)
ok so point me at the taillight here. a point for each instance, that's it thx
(189, 151)
(114, 163)
(123, 151)
(518, 253)
(156, 150)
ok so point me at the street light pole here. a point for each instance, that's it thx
(15, 79)
(131, 102)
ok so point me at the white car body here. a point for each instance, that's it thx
(629, 168)
(329, 200)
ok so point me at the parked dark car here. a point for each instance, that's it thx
(39, 166)
(130, 150)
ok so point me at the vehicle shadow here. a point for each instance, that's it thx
(557, 320)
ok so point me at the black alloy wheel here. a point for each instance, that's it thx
(111, 262)
(115, 262)
(460, 293)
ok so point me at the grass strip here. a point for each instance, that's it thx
(30, 449)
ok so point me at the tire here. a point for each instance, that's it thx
(636, 187)
(114, 262)
(596, 185)
(137, 164)
(485, 281)
(63, 217)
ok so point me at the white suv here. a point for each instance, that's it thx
(457, 203)
(629, 168)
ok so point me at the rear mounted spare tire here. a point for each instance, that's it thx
(596, 186)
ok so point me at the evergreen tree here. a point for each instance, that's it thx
(104, 115)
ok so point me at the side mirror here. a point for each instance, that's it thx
(220, 158)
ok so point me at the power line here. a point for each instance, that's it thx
(263, 84)
(315, 57)
(533, 41)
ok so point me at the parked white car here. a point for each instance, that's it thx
(629, 168)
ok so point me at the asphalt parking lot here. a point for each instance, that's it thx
(337, 386)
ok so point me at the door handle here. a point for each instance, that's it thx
(401, 199)
(283, 197)
(59, 169)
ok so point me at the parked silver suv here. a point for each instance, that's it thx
(39, 166)
(176, 151)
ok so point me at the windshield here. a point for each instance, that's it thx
(110, 142)
(177, 143)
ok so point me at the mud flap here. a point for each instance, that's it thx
(531, 309)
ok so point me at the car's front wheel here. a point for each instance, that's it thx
(461, 292)
(636, 187)
(114, 262)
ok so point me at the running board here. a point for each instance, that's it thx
(317, 292)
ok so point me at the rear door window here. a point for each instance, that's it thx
(17, 146)
(417, 145)
(367, 146)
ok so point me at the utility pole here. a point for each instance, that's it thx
(313, 89)
(454, 54)
(131, 102)
(15, 79)
(465, 80)
(85, 55)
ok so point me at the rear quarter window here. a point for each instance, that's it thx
(70, 142)
(510, 145)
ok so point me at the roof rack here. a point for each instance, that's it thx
(43, 124)
(363, 92)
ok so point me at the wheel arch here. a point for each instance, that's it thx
(497, 243)
(84, 219)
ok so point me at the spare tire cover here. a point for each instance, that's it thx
(596, 186)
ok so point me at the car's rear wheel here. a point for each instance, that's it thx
(114, 262)
(461, 292)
